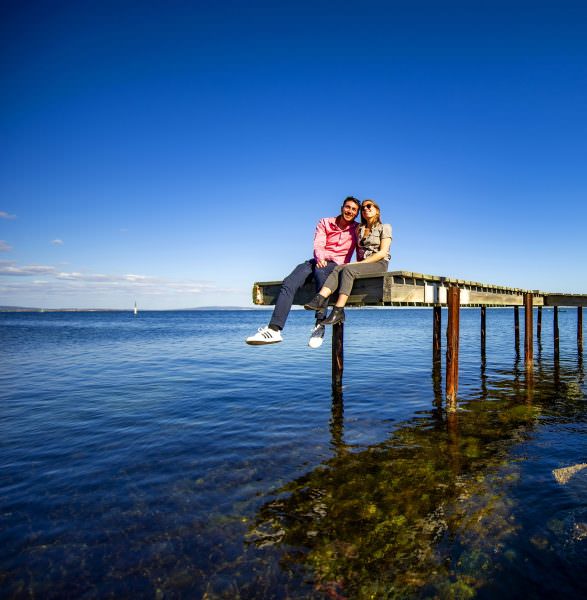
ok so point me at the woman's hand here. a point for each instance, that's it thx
(381, 253)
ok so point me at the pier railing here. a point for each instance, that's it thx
(405, 288)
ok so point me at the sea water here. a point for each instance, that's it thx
(159, 456)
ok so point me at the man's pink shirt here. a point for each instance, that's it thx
(333, 243)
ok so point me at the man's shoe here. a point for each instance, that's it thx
(317, 336)
(264, 336)
(318, 302)
(335, 316)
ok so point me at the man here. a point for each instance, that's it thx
(335, 241)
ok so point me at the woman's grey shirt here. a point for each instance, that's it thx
(371, 244)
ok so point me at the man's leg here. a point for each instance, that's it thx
(291, 284)
(320, 276)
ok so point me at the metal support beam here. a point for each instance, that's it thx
(555, 332)
(517, 329)
(483, 329)
(436, 329)
(528, 333)
(452, 348)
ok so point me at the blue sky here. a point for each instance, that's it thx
(173, 153)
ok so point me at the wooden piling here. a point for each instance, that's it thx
(483, 329)
(452, 348)
(528, 333)
(580, 328)
(337, 355)
(555, 332)
(436, 329)
(539, 324)
(517, 329)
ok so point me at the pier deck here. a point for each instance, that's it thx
(405, 288)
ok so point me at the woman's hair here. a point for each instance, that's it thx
(376, 220)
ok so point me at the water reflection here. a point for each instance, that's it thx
(337, 421)
(426, 512)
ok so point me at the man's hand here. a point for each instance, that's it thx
(321, 263)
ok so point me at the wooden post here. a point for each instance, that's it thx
(555, 331)
(483, 330)
(436, 328)
(517, 329)
(452, 348)
(580, 328)
(528, 334)
(539, 324)
(337, 354)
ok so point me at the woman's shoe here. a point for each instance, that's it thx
(335, 316)
(318, 302)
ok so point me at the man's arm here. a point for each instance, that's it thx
(320, 244)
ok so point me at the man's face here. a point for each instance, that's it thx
(349, 211)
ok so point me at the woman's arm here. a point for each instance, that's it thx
(381, 253)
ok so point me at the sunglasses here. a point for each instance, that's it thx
(367, 206)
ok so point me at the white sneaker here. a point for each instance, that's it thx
(264, 336)
(316, 337)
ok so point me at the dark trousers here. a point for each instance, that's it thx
(292, 283)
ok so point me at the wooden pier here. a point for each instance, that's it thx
(404, 288)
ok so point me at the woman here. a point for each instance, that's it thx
(374, 240)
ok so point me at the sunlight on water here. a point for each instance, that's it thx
(160, 456)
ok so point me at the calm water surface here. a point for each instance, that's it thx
(158, 456)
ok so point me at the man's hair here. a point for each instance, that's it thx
(352, 199)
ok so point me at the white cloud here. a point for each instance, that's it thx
(5, 246)
(5, 215)
(9, 268)
(58, 282)
(57, 242)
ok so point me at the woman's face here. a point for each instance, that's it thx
(369, 210)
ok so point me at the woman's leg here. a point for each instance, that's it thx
(349, 274)
(331, 283)
(347, 278)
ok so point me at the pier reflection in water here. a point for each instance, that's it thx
(450, 505)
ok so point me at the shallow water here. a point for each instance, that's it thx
(159, 456)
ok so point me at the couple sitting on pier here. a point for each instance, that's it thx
(335, 241)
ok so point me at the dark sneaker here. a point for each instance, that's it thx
(318, 302)
(336, 316)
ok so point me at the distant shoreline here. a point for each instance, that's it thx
(20, 309)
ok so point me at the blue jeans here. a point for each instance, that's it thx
(292, 283)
